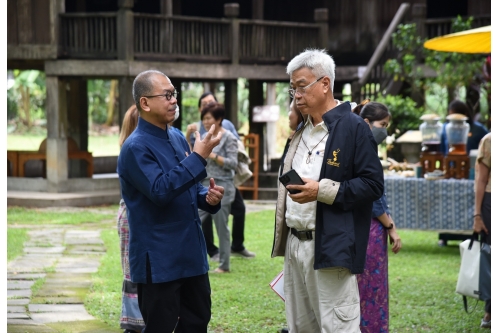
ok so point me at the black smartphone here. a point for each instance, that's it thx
(291, 177)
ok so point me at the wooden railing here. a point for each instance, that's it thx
(161, 37)
(442, 26)
(275, 42)
(88, 35)
(374, 78)
(181, 37)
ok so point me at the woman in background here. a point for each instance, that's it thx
(482, 207)
(131, 317)
(374, 282)
(476, 130)
(221, 166)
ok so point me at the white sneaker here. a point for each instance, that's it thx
(485, 324)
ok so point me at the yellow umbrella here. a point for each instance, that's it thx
(468, 41)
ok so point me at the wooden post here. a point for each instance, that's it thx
(125, 98)
(256, 98)
(57, 123)
(356, 92)
(231, 101)
(125, 30)
(232, 11)
(78, 122)
(56, 7)
(418, 13)
(257, 9)
(166, 7)
(321, 17)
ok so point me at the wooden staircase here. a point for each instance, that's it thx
(374, 79)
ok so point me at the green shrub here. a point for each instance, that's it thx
(405, 114)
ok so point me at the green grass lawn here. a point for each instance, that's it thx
(106, 145)
(15, 240)
(422, 280)
(422, 286)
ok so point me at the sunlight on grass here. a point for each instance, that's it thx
(98, 145)
(23, 215)
(15, 240)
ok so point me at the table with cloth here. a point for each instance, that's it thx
(444, 205)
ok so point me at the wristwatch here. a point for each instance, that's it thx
(388, 228)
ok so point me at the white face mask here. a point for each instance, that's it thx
(176, 113)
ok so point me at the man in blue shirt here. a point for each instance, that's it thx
(160, 184)
(238, 208)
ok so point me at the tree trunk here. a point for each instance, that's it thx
(111, 102)
(24, 110)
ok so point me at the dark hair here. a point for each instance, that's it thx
(143, 85)
(374, 111)
(205, 94)
(215, 109)
(460, 107)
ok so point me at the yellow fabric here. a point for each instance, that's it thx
(469, 41)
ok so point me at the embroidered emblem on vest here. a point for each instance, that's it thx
(333, 162)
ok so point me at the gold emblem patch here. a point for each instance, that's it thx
(333, 162)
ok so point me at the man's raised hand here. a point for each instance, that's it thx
(204, 147)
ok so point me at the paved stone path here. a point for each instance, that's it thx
(65, 257)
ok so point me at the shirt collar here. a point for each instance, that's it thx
(309, 123)
(149, 128)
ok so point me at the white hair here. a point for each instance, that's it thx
(318, 61)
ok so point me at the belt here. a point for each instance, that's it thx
(303, 234)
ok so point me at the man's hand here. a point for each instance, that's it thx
(308, 192)
(204, 147)
(215, 193)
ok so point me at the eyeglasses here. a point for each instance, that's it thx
(302, 90)
(168, 95)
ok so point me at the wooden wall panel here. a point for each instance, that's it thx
(479, 7)
(357, 26)
(41, 21)
(25, 23)
(12, 36)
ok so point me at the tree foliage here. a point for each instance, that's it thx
(26, 97)
(405, 114)
(453, 70)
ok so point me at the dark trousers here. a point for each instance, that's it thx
(238, 211)
(185, 302)
(486, 213)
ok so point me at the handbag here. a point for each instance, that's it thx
(468, 283)
(468, 276)
(243, 172)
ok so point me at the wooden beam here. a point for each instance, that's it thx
(184, 70)
(31, 51)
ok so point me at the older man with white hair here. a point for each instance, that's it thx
(323, 230)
